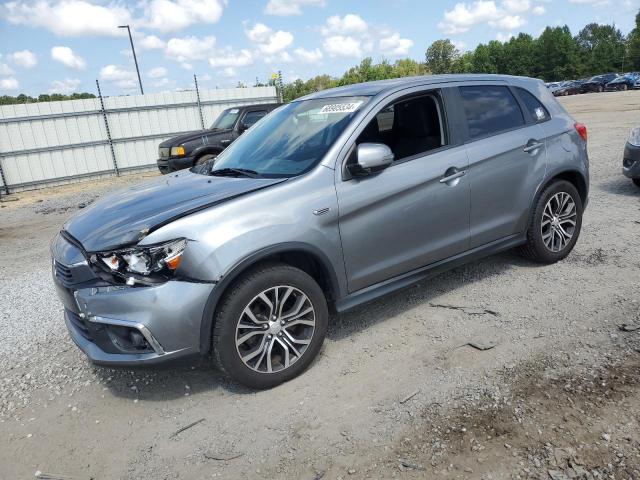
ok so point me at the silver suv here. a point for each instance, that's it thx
(329, 201)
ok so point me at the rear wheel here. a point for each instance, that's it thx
(555, 224)
(270, 326)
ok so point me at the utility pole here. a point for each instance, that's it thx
(135, 59)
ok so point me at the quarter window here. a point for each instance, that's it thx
(490, 109)
(533, 105)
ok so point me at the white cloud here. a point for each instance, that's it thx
(163, 82)
(508, 22)
(464, 16)
(504, 37)
(308, 56)
(394, 45)
(459, 44)
(510, 15)
(24, 58)
(267, 41)
(150, 42)
(69, 18)
(175, 15)
(66, 86)
(340, 46)
(516, 6)
(349, 24)
(285, 8)
(231, 58)
(67, 57)
(9, 83)
(5, 70)
(119, 76)
(158, 72)
(189, 48)
(228, 72)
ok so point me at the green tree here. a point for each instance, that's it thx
(633, 47)
(441, 56)
(602, 48)
(558, 54)
(519, 56)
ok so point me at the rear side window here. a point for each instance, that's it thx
(490, 109)
(252, 117)
(533, 105)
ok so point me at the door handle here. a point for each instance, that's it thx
(532, 146)
(453, 176)
(225, 141)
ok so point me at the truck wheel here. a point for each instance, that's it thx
(555, 224)
(270, 326)
(205, 158)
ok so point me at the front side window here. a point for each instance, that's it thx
(292, 139)
(490, 109)
(226, 120)
(535, 108)
(408, 127)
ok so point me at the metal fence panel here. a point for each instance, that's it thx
(50, 142)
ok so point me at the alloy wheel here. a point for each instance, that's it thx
(275, 329)
(558, 221)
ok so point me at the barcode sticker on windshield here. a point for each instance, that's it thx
(340, 108)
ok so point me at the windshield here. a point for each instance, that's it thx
(292, 139)
(226, 120)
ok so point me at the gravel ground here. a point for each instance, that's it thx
(395, 391)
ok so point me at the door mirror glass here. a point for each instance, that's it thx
(242, 127)
(371, 158)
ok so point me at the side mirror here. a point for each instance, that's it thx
(242, 127)
(371, 158)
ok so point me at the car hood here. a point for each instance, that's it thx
(125, 217)
(188, 136)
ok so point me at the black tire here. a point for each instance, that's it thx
(636, 181)
(535, 249)
(238, 297)
(205, 158)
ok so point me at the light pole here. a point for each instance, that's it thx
(135, 59)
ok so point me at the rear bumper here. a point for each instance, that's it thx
(631, 161)
(173, 164)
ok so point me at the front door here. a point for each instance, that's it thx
(416, 211)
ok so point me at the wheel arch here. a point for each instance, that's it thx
(306, 257)
(205, 151)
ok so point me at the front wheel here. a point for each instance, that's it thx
(555, 224)
(270, 326)
(636, 181)
(205, 158)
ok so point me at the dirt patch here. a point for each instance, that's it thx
(570, 425)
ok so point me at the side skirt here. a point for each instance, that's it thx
(407, 279)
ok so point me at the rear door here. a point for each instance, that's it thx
(507, 160)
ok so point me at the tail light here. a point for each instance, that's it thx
(582, 130)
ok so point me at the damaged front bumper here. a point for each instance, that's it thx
(123, 325)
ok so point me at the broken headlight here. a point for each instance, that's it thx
(143, 264)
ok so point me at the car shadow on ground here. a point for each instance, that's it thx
(620, 186)
(163, 384)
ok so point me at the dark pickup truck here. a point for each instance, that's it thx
(195, 148)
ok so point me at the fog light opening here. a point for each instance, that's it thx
(128, 339)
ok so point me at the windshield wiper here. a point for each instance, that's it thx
(238, 172)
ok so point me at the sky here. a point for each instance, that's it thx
(63, 46)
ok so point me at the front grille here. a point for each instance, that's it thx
(63, 273)
(78, 324)
(164, 152)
